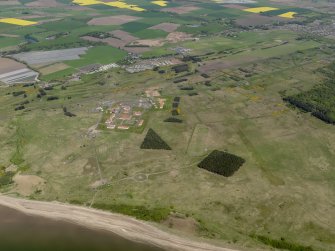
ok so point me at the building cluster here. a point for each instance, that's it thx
(149, 64)
(155, 98)
(124, 115)
(318, 28)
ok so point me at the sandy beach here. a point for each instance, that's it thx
(124, 226)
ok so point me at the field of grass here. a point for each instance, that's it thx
(8, 41)
(150, 34)
(99, 54)
(59, 74)
(260, 130)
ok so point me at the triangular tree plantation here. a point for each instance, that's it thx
(153, 141)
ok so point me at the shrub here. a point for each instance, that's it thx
(173, 120)
(176, 99)
(204, 75)
(18, 93)
(180, 68)
(6, 178)
(52, 98)
(24, 102)
(175, 112)
(186, 88)
(180, 80)
(194, 59)
(193, 94)
(139, 212)
(281, 244)
(20, 107)
(42, 92)
(98, 34)
(29, 84)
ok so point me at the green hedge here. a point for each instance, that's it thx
(139, 212)
(282, 244)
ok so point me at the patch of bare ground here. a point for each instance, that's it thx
(44, 3)
(235, 6)
(53, 68)
(149, 42)
(113, 20)
(27, 184)
(123, 35)
(9, 3)
(79, 7)
(9, 65)
(8, 35)
(175, 37)
(92, 39)
(136, 50)
(221, 64)
(98, 183)
(180, 10)
(115, 42)
(183, 224)
(167, 27)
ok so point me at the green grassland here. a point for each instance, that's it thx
(99, 54)
(8, 41)
(282, 196)
(279, 181)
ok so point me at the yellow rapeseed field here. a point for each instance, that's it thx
(160, 3)
(17, 21)
(87, 2)
(260, 9)
(288, 14)
(123, 5)
(117, 4)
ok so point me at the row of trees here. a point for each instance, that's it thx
(173, 120)
(319, 101)
(282, 244)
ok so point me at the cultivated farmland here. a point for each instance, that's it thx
(47, 57)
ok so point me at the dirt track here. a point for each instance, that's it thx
(124, 226)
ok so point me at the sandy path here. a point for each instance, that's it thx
(124, 226)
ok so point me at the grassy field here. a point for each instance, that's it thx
(99, 54)
(251, 122)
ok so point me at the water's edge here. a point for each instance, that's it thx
(19, 231)
(128, 228)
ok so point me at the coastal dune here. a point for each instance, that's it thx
(121, 225)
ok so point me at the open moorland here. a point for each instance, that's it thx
(213, 120)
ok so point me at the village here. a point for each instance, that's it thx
(130, 114)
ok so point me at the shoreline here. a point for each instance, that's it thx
(121, 225)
